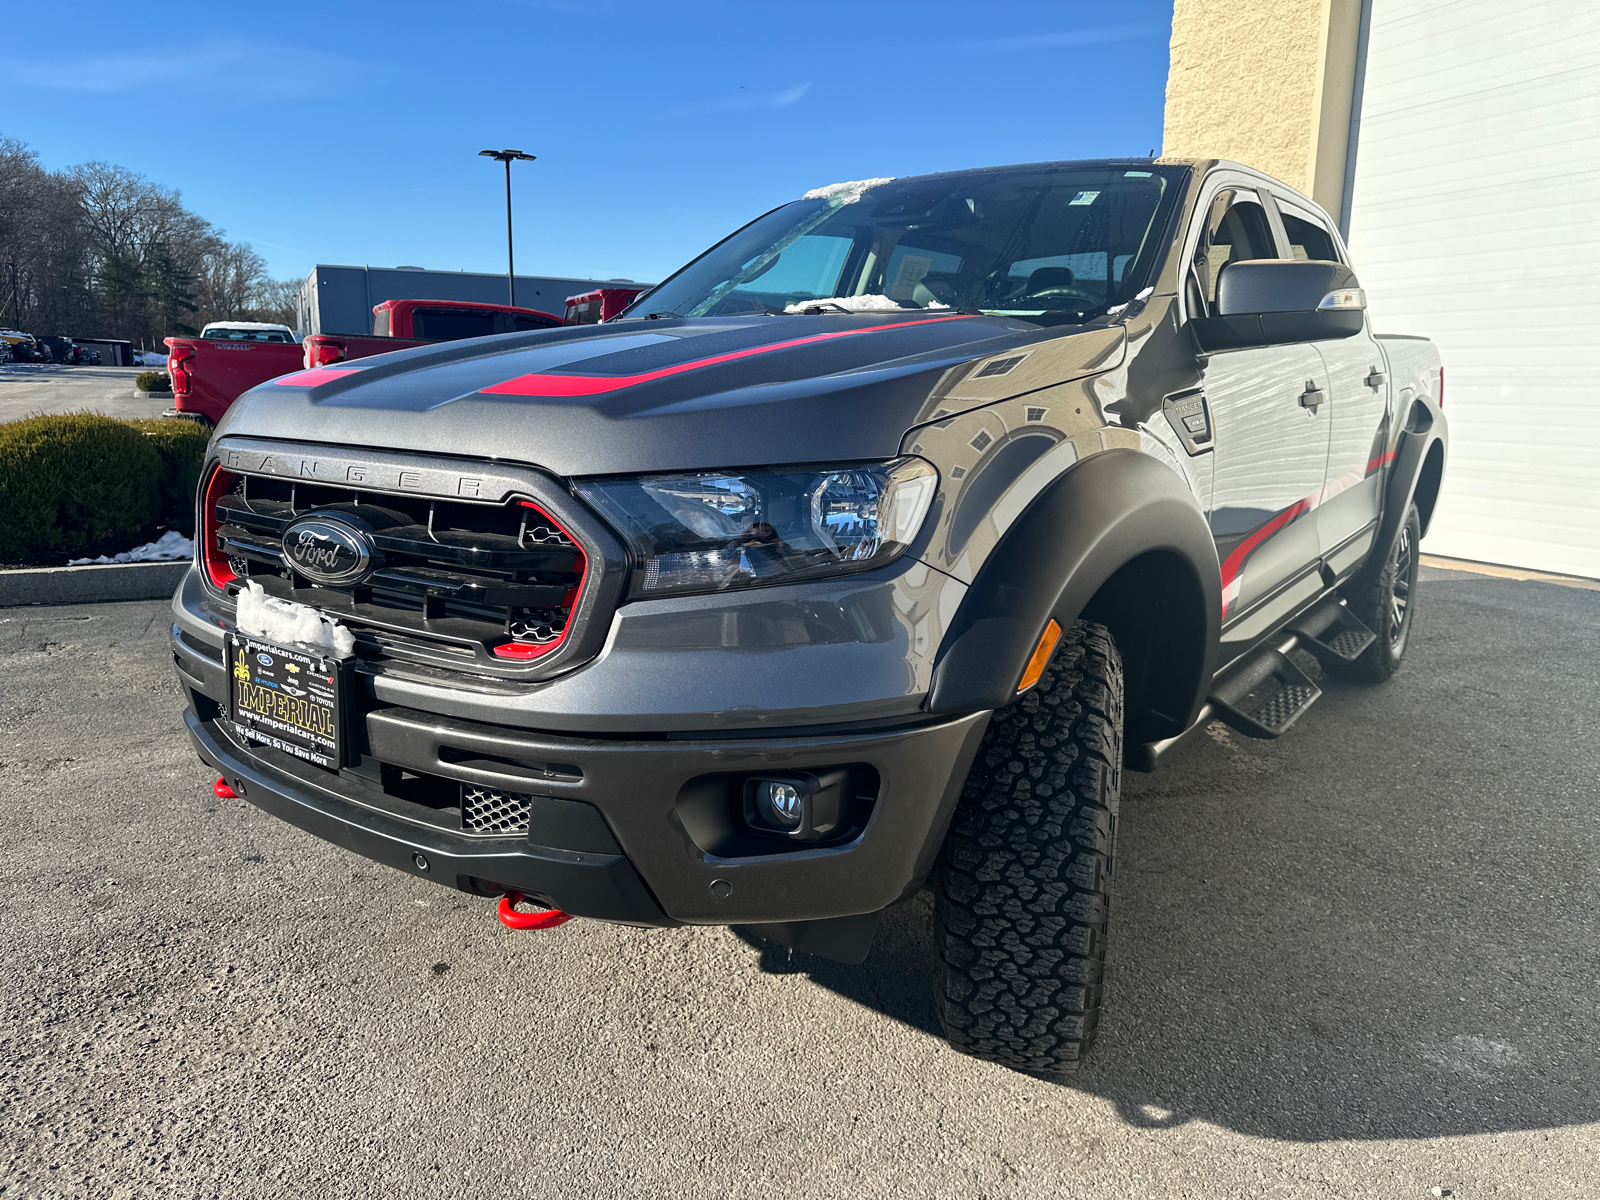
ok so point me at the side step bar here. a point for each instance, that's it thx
(1264, 693)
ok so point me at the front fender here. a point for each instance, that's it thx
(1119, 538)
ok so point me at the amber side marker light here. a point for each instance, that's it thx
(1041, 655)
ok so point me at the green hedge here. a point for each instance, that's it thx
(70, 480)
(153, 381)
(182, 447)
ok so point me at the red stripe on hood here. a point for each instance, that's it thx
(593, 385)
(314, 376)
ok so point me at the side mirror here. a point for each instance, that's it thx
(1277, 301)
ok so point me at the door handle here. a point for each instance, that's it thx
(1312, 396)
(1375, 379)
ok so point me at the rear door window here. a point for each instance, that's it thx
(1307, 239)
(449, 325)
(521, 323)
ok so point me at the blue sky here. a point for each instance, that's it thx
(345, 133)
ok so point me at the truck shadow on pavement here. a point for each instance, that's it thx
(1309, 943)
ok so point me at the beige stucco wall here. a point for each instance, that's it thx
(1267, 83)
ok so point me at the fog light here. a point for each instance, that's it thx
(801, 806)
(780, 801)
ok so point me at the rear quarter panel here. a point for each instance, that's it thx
(223, 371)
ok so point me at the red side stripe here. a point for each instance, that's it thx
(1235, 561)
(592, 385)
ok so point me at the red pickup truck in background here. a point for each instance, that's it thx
(211, 371)
(397, 324)
(602, 304)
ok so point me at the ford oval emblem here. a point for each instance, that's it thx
(327, 551)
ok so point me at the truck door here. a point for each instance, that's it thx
(1271, 437)
(1357, 414)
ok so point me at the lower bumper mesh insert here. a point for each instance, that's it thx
(484, 810)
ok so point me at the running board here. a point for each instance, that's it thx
(1332, 634)
(1266, 694)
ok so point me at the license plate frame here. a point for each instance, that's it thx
(289, 698)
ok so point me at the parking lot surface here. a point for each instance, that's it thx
(1357, 961)
(27, 389)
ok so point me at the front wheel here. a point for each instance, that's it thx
(1385, 605)
(1023, 886)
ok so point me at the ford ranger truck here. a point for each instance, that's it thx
(858, 557)
(228, 358)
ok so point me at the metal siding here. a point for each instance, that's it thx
(1474, 201)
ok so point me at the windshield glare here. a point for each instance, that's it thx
(1051, 246)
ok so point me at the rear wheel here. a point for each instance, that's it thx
(1023, 886)
(1384, 603)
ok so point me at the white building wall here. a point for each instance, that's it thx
(1475, 220)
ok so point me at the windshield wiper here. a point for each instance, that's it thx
(656, 316)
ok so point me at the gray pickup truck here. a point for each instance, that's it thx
(860, 556)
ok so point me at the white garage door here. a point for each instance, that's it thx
(1475, 220)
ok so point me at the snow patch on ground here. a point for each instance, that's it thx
(1473, 1056)
(858, 304)
(169, 547)
(149, 358)
(846, 193)
(285, 621)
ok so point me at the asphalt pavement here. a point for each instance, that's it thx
(1357, 961)
(27, 389)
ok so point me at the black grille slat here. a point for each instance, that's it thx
(475, 588)
(467, 548)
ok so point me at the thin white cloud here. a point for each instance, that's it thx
(1074, 37)
(742, 100)
(238, 70)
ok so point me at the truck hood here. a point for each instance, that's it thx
(675, 395)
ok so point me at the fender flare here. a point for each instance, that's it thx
(1110, 511)
(1424, 429)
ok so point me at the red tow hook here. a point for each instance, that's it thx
(222, 791)
(545, 918)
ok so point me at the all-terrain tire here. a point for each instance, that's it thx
(1383, 600)
(1023, 885)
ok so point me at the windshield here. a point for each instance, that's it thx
(1048, 245)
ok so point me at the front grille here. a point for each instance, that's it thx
(484, 810)
(470, 581)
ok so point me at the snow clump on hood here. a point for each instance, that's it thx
(858, 304)
(845, 193)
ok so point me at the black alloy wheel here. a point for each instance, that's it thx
(1386, 604)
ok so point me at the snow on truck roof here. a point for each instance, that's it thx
(243, 325)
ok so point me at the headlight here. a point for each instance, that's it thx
(713, 530)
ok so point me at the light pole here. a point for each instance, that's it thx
(508, 157)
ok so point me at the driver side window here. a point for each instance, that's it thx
(1236, 230)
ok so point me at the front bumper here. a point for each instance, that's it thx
(642, 865)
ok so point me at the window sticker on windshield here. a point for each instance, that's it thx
(913, 268)
(1084, 198)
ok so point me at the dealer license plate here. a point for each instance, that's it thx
(288, 699)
